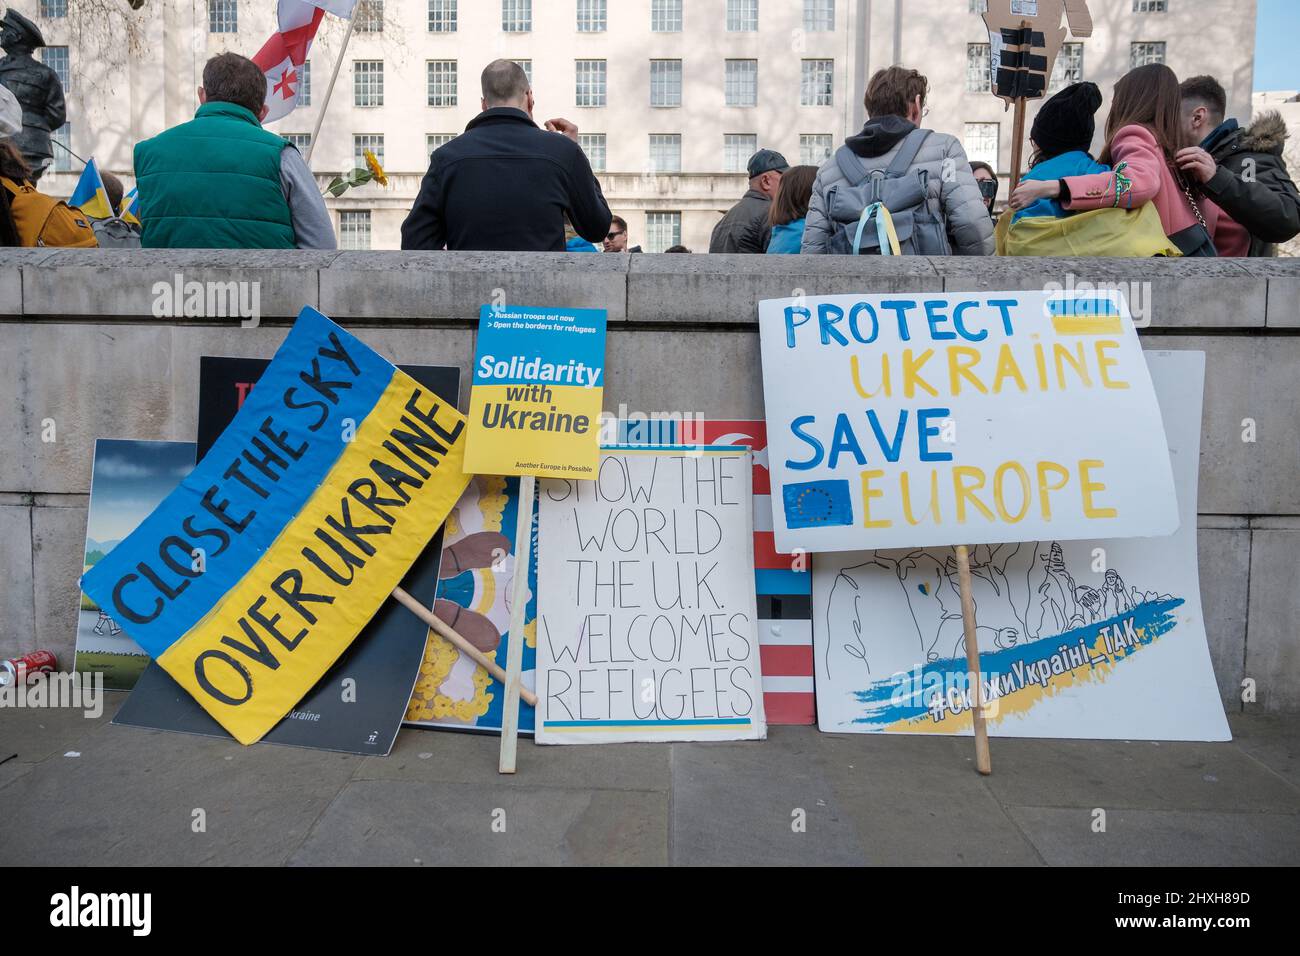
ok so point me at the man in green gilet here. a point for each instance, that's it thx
(220, 181)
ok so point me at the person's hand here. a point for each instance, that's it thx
(1196, 163)
(1032, 190)
(561, 125)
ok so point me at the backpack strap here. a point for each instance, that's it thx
(851, 165)
(907, 153)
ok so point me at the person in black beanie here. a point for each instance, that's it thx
(1061, 137)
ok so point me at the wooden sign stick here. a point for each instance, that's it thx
(1017, 141)
(982, 760)
(464, 646)
(518, 605)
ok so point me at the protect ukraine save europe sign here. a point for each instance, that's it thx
(254, 575)
(539, 379)
(967, 418)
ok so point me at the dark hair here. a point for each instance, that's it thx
(1147, 96)
(113, 190)
(618, 221)
(231, 78)
(792, 196)
(12, 164)
(892, 90)
(503, 81)
(1207, 90)
(677, 249)
(980, 164)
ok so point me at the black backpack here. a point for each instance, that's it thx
(849, 204)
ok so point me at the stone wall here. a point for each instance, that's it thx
(81, 346)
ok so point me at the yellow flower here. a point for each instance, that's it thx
(376, 170)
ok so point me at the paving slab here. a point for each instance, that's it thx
(131, 798)
(1273, 740)
(420, 823)
(1162, 837)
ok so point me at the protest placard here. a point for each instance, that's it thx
(960, 418)
(253, 576)
(539, 380)
(358, 705)
(646, 614)
(1081, 639)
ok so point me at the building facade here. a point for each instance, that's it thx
(670, 96)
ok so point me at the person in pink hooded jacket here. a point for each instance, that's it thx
(1143, 134)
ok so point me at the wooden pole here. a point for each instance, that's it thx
(329, 90)
(1017, 142)
(445, 630)
(518, 605)
(983, 762)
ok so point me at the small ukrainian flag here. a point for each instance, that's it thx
(130, 210)
(89, 196)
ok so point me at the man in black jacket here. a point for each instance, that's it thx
(745, 227)
(1242, 170)
(504, 184)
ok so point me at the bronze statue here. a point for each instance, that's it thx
(36, 87)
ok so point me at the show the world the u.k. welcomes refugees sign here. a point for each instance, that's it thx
(539, 380)
(252, 577)
(960, 418)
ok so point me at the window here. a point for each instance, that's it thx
(589, 83)
(591, 16)
(1150, 6)
(516, 16)
(1068, 68)
(665, 82)
(742, 83)
(736, 150)
(1140, 54)
(56, 58)
(527, 67)
(367, 141)
(442, 82)
(437, 140)
(666, 153)
(817, 83)
(301, 140)
(62, 158)
(979, 71)
(369, 15)
(442, 16)
(223, 16)
(304, 84)
(815, 148)
(662, 230)
(981, 143)
(367, 82)
(979, 6)
(665, 16)
(818, 15)
(354, 229)
(742, 16)
(54, 9)
(593, 144)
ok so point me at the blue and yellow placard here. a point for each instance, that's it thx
(253, 576)
(539, 378)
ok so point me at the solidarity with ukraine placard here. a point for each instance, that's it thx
(539, 378)
(253, 576)
(964, 417)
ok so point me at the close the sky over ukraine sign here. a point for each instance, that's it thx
(252, 577)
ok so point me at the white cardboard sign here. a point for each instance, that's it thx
(647, 622)
(920, 419)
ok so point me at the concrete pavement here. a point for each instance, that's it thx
(81, 791)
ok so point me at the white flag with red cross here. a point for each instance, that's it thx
(282, 57)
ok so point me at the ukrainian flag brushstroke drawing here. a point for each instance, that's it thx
(255, 574)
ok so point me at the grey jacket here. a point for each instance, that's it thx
(952, 192)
